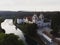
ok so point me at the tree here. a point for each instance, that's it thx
(10, 39)
(29, 29)
(55, 25)
(32, 29)
(1, 20)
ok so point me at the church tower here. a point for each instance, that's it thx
(41, 17)
(34, 18)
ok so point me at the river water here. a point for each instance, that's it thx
(9, 27)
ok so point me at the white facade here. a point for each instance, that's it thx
(19, 21)
(40, 20)
(41, 17)
(34, 18)
(26, 20)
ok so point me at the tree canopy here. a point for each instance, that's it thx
(29, 29)
(55, 25)
(10, 39)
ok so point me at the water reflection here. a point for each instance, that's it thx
(9, 27)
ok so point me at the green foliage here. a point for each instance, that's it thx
(2, 35)
(10, 39)
(1, 20)
(55, 25)
(29, 29)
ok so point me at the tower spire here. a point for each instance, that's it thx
(35, 11)
(34, 18)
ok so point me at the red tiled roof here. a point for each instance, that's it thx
(29, 18)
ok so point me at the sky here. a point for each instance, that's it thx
(29, 5)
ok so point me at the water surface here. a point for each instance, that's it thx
(9, 27)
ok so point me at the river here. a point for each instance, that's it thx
(9, 27)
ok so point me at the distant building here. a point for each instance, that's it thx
(20, 21)
(34, 18)
(26, 20)
(41, 17)
(39, 20)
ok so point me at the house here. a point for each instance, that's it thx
(39, 20)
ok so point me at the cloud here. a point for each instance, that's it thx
(30, 5)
